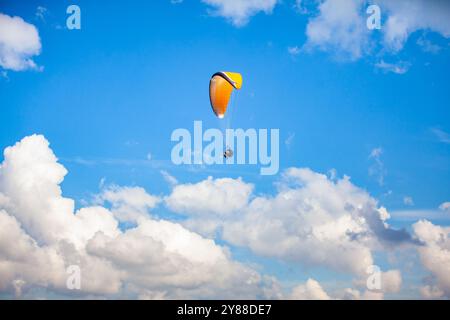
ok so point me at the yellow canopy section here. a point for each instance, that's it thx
(220, 88)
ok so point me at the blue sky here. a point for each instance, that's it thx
(108, 97)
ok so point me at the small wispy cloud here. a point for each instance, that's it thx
(131, 143)
(398, 68)
(376, 152)
(171, 180)
(4, 74)
(407, 200)
(301, 7)
(414, 215)
(41, 13)
(428, 46)
(441, 135)
(294, 51)
(430, 214)
(289, 140)
(157, 164)
(377, 169)
(445, 207)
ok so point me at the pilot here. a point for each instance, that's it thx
(228, 153)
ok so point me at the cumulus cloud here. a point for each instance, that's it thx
(29, 184)
(159, 255)
(311, 290)
(391, 281)
(435, 256)
(340, 26)
(19, 42)
(211, 196)
(41, 235)
(431, 292)
(238, 12)
(128, 203)
(311, 220)
(406, 17)
(209, 201)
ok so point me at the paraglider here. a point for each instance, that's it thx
(228, 153)
(221, 87)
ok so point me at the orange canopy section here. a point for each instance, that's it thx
(220, 89)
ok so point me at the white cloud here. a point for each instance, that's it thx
(428, 46)
(211, 196)
(398, 68)
(239, 11)
(289, 140)
(431, 292)
(159, 255)
(415, 215)
(41, 235)
(376, 152)
(301, 6)
(391, 281)
(294, 51)
(29, 182)
(311, 220)
(19, 42)
(23, 260)
(311, 290)
(435, 256)
(442, 136)
(372, 295)
(41, 13)
(340, 26)
(377, 169)
(128, 203)
(406, 17)
(171, 180)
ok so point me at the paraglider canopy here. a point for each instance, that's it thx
(221, 86)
